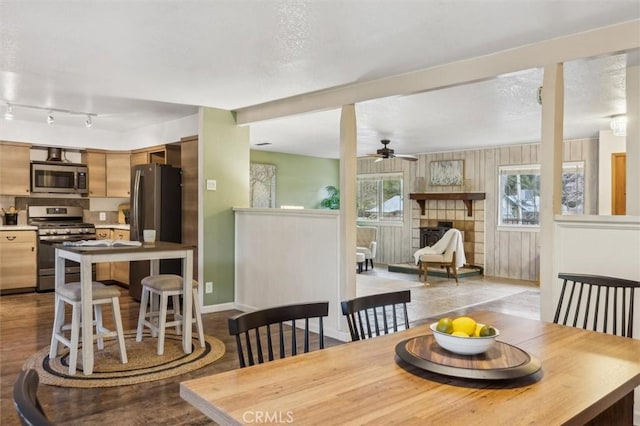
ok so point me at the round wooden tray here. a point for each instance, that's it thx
(502, 361)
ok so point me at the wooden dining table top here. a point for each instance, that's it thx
(583, 373)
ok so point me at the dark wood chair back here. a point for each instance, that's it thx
(377, 314)
(255, 326)
(597, 303)
(25, 399)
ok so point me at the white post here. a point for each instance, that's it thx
(550, 180)
(348, 171)
(633, 138)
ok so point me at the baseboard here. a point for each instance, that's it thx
(207, 309)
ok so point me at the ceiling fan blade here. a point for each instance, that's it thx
(407, 157)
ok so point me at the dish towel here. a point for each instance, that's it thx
(441, 246)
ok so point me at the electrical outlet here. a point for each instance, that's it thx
(208, 287)
(103, 216)
(211, 185)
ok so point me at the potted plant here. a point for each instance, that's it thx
(333, 198)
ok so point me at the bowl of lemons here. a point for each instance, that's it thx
(463, 335)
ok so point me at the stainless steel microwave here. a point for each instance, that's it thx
(59, 178)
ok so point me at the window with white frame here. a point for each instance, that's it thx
(519, 188)
(379, 197)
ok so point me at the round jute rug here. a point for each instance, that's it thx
(144, 364)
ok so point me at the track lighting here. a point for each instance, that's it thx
(10, 115)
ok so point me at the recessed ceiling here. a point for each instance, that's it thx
(141, 63)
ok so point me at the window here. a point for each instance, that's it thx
(379, 197)
(520, 193)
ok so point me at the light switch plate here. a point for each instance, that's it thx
(211, 185)
(208, 287)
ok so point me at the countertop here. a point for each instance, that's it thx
(18, 228)
(123, 226)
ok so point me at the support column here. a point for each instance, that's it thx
(348, 171)
(550, 180)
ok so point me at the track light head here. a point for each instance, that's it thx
(50, 119)
(88, 122)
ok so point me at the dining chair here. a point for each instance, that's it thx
(25, 399)
(255, 326)
(598, 303)
(154, 314)
(376, 314)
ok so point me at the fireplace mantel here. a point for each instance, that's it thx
(466, 197)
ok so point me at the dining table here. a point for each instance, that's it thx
(574, 376)
(86, 256)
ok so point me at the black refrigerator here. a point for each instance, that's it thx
(156, 203)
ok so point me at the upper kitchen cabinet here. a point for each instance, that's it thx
(97, 165)
(109, 173)
(14, 168)
(163, 154)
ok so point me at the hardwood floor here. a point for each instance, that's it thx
(25, 327)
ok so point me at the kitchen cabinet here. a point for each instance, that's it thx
(103, 270)
(117, 271)
(97, 165)
(14, 168)
(18, 268)
(163, 154)
(119, 174)
(115, 183)
(120, 270)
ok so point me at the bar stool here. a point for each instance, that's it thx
(70, 293)
(165, 286)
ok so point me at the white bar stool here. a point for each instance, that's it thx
(163, 286)
(70, 293)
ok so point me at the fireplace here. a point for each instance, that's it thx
(430, 235)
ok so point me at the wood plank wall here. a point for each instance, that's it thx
(502, 253)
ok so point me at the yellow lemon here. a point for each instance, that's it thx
(445, 325)
(460, 334)
(476, 333)
(465, 324)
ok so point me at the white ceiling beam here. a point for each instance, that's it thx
(606, 40)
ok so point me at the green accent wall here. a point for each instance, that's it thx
(300, 179)
(225, 158)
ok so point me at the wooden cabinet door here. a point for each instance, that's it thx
(139, 158)
(119, 174)
(120, 270)
(96, 163)
(619, 183)
(18, 268)
(103, 270)
(14, 169)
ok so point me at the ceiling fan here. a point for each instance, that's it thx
(385, 153)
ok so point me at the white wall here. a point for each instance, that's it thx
(289, 256)
(82, 137)
(607, 145)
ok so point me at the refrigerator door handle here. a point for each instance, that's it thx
(136, 205)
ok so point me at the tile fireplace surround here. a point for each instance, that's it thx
(472, 227)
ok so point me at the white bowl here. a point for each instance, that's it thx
(463, 345)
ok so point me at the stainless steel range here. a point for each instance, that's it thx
(57, 224)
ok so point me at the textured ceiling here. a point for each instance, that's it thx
(139, 63)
